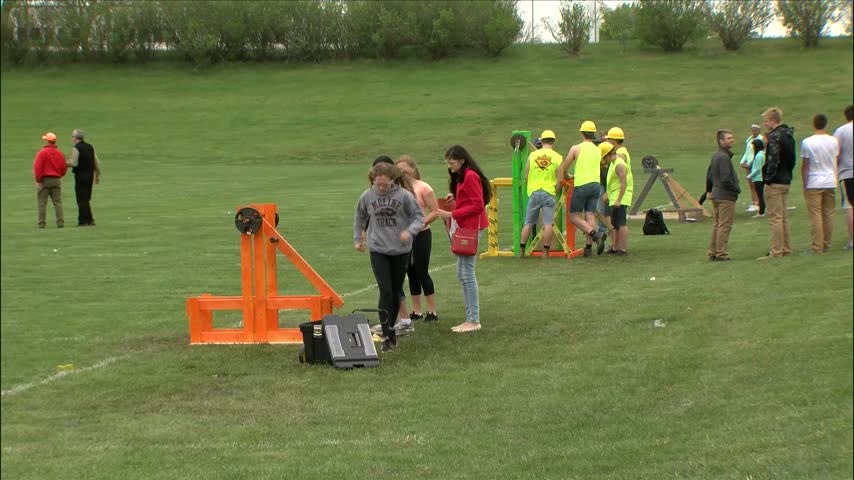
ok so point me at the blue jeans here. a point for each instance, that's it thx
(465, 273)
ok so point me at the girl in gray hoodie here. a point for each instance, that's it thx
(395, 219)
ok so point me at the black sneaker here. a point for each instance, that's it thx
(600, 238)
(415, 316)
(389, 343)
(588, 252)
(431, 317)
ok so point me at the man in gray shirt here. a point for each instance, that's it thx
(845, 168)
(724, 194)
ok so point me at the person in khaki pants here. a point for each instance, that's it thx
(777, 175)
(725, 192)
(48, 168)
(819, 154)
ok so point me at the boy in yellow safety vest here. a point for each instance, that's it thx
(618, 194)
(585, 193)
(541, 174)
(616, 137)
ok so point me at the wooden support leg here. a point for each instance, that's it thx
(646, 188)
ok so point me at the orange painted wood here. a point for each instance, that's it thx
(259, 299)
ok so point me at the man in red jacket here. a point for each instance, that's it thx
(48, 168)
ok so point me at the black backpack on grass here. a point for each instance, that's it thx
(653, 224)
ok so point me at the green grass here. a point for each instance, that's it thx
(750, 378)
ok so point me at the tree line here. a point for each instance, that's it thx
(670, 24)
(212, 31)
(216, 31)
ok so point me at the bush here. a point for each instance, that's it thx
(435, 24)
(573, 29)
(381, 29)
(16, 24)
(669, 24)
(807, 19)
(213, 31)
(735, 22)
(493, 25)
(146, 29)
(619, 24)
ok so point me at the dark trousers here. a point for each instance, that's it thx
(760, 192)
(389, 271)
(418, 271)
(83, 182)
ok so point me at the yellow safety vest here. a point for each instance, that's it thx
(613, 187)
(587, 164)
(542, 170)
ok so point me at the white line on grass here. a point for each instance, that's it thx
(103, 363)
(64, 373)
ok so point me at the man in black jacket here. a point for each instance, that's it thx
(87, 171)
(725, 192)
(777, 175)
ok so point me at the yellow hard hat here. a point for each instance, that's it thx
(605, 148)
(616, 133)
(588, 126)
(547, 134)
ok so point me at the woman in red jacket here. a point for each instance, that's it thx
(471, 192)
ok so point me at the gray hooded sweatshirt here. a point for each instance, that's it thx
(389, 213)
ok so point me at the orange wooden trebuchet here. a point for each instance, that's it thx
(261, 304)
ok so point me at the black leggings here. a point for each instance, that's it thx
(389, 271)
(418, 271)
(760, 193)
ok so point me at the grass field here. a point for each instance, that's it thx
(751, 376)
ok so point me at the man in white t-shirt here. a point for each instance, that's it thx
(845, 168)
(819, 154)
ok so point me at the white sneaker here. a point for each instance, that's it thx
(758, 215)
(377, 329)
(752, 208)
(402, 327)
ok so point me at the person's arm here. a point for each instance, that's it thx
(772, 159)
(620, 170)
(726, 175)
(432, 205)
(38, 170)
(709, 182)
(470, 188)
(747, 157)
(74, 156)
(564, 166)
(838, 150)
(756, 166)
(414, 211)
(806, 154)
(97, 167)
(360, 218)
(715, 171)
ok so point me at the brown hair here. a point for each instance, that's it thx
(391, 171)
(721, 133)
(414, 166)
